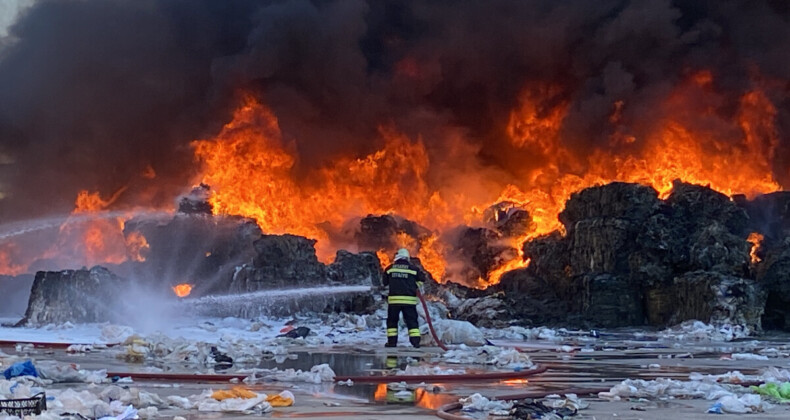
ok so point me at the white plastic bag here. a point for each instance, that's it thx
(451, 331)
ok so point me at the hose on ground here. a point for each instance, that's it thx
(430, 324)
(218, 377)
(444, 412)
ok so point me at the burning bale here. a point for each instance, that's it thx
(388, 233)
(773, 275)
(477, 252)
(769, 222)
(509, 219)
(627, 256)
(197, 201)
(196, 249)
(769, 214)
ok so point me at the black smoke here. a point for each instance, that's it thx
(94, 92)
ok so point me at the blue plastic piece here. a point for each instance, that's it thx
(715, 409)
(25, 368)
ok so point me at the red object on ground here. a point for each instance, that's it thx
(182, 377)
(286, 328)
(430, 324)
(469, 377)
(46, 345)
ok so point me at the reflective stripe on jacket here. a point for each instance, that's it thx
(403, 278)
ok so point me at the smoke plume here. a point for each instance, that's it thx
(108, 94)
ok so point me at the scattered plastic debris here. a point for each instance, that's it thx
(700, 331)
(488, 355)
(778, 392)
(477, 402)
(745, 404)
(316, 375)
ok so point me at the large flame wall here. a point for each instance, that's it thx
(311, 114)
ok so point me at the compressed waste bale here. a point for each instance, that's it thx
(363, 268)
(75, 296)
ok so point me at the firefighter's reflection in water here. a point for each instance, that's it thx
(392, 362)
(396, 393)
(396, 396)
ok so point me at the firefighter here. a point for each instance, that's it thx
(403, 279)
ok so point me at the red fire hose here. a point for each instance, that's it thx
(430, 324)
(216, 377)
(51, 345)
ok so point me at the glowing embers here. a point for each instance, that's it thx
(516, 382)
(756, 240)
(182, 290)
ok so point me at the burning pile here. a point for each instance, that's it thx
(252, 174)
(457, 131)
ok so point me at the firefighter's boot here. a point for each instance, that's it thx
(415, 341)
(392, 342)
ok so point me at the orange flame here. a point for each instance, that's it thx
(182, 290)
(82, 240)
(516, 382)
(381, 393)
(252, 171)
(756, 240)
(98, 240)
(250, 168)
(8, 260)
(429, 400)
(136, 245)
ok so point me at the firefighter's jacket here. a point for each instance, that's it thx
(403, 279)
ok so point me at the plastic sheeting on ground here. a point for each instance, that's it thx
(477, 402)
(69, 372)
(727, 396)
(666, 388)
(488, 355)
(316, 375)
(745, 404)
(451, 331)
(700, 331)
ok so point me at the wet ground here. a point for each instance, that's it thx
(576, 361)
